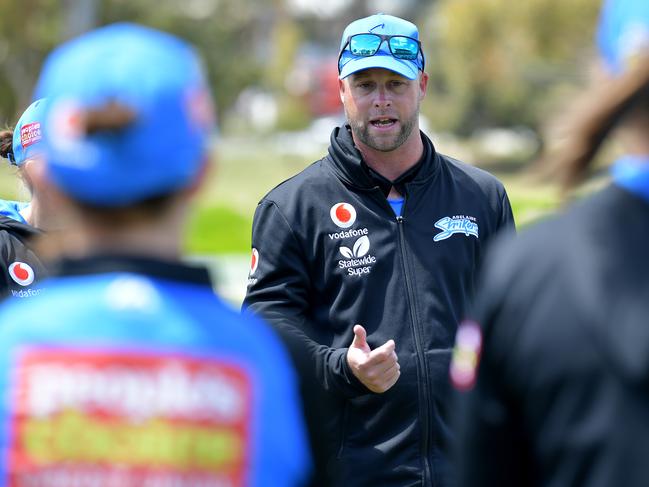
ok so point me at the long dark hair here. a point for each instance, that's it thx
(6, 143)
(605, 106)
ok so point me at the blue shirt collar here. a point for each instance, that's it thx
(632, 174)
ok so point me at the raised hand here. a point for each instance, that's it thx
(377, 369)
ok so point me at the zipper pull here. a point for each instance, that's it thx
(399, 219)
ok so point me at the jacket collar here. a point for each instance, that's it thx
(101, 264)
(17, 228)
(347, 162)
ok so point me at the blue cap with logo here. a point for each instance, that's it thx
(157, 78)
(27, 140)
(623, 32)
(383, 25)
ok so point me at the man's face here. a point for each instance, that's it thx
(382, 107)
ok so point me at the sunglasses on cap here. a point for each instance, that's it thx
(366, 45)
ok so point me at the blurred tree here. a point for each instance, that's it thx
(502, 63)
(28, 30)
(492, 62)
(227, 32)
(80, 16)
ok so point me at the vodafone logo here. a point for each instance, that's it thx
(254, 262)
(21, 273)
(343, 215)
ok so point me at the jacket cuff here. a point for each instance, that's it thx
(342, 377)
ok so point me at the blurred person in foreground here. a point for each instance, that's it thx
(21, 224)
(127, 369)
(367, 258)
(555, 365)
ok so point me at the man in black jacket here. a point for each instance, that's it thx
(368, 257)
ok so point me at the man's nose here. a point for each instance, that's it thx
(382, 99)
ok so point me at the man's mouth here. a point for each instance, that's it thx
(383, 122)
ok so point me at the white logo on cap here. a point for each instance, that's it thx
(21, 273)
(65, 124)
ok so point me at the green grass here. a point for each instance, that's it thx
(243, 172)
(218, 230)
(530, 200)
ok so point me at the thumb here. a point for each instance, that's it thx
(360, 338)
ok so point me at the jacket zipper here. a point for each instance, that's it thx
(421, 359)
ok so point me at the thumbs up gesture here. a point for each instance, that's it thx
(377, 369)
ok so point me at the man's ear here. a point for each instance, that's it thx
(32, 173)
(36, 171)
(423, 84)
(341, 90)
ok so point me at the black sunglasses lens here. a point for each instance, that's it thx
(364, 45)
(404, 48)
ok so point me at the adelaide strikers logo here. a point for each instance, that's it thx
(343, 214)
(21, 273)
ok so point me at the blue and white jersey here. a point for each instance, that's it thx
(130, 372)
(12, 209)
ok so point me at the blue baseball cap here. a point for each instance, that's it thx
(623, 32)
(156, 77)
(28, 138)
(381, 24)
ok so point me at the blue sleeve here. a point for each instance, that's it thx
(281, 422)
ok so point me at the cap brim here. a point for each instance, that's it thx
(407, 69)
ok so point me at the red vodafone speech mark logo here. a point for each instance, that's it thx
(343, 215)
(21, 273)
(254, 262)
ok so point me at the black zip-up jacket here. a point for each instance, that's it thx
(21, 267)
(328, 252)
(562, 390)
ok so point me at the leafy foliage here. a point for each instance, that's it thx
(225, 31)
(498, 62)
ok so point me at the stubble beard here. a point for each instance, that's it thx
(361, 131)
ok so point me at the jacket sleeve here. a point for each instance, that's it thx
(491, 449)
(279, 290)
(506, 214)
